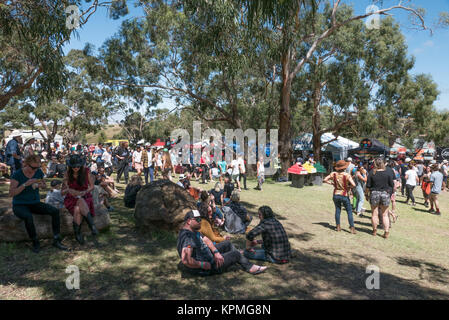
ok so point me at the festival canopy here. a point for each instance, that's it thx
(370, 148)
(338, 146)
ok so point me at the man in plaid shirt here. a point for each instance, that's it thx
(276, 248)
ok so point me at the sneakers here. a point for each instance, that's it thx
(431, 210)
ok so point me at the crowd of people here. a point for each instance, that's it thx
(81, 178)
(379, 182)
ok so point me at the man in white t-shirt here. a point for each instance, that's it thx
(235, 172)
(137, 160)
(412, 180)
(242, 169)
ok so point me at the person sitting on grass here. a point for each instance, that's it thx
(218, 194)
(107, 183)
(24, 189)
(228, 189)
(54, 197)
(209, 213)
(238, 209)
(184, 181)
(275, 244)
(200, 256)
(131, 191)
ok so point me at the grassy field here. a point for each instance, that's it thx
(413, 262)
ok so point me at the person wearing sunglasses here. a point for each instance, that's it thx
(77, 188)
(24, 189)
(200, 256)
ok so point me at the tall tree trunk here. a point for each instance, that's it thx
(316, 123)
(285, 147)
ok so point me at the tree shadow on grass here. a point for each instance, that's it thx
(427, 271)
(305, 236)
(311, 274)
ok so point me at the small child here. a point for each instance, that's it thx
(55, 197)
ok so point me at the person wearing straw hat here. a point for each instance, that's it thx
(13, 153)
(343, 183)
(28, 149)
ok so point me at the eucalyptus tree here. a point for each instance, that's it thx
(198, 53)
(295, 23)
(32, 34)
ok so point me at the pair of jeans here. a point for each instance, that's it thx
(259, 254)
(123, 168)
(403, 183)
(149, 171)
(409, 189)
(26, 211)
(360, 198)
(231, 256)
(244, 179)
(204, 173)
(339, 201)
(217, 213)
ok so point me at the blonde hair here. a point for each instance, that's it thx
(235, 196)
(379, 164)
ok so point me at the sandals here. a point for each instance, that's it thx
(259, 270)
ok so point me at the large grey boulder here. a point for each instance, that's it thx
(12, 229)
(162, 205)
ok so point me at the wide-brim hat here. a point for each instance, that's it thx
(29, 139)
(75, 161)
(341, 165)
(16, 133)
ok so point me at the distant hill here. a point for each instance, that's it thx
(110, 131)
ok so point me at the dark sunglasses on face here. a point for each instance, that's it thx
(197, 219)
(34, 168)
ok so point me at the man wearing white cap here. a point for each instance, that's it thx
(13, 153)
(199, 255)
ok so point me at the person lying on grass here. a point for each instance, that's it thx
(275, 244)
(200, 256)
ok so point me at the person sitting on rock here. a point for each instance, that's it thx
(24, 189)
(77, 188)
(200, 256)
(275, 244)
(131, 191)
(238, 209)
(208, 223)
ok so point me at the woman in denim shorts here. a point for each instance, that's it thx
(378, 185)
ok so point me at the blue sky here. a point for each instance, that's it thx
(430, 51)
